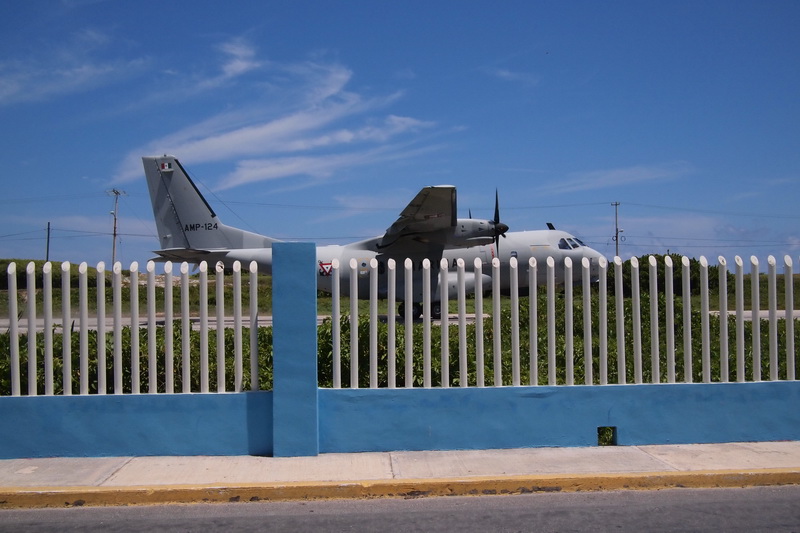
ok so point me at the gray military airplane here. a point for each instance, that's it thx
(189, 230)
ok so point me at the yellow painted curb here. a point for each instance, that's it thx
(35, 497)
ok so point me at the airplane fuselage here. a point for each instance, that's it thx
(521, 245)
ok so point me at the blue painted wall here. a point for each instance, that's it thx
(400, 419)
(440, 419)
(136, 425)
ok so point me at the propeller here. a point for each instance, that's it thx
(499, 227)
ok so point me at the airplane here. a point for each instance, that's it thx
(190, 230)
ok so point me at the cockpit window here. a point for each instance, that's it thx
(573, 243)
(580, 242)
(562, 245)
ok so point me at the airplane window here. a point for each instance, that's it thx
(562, 245)
(580, 242)
(573, 243)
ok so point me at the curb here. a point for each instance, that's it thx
(40, 497)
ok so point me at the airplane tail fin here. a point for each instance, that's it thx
(184, 219)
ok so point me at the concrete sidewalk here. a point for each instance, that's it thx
(60, 482)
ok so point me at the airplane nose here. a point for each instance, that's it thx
(594, 257)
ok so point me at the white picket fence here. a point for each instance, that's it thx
(560, 362)
(139, 383)
(594, 368)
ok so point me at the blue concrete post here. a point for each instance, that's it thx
(294, 347)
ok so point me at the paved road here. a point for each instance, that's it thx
(773, 509)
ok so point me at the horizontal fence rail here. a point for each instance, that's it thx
(657, 322)
(593, 333)
(102, 351)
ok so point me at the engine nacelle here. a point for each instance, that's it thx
(469, 284)
(472, 232)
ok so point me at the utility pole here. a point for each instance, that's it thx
(617, 231)
(116, 193)
(47, 250)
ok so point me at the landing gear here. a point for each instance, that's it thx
(416, 310)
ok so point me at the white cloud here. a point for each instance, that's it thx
(315, 166)
(239, 59)
(525, 78)
(321, 127)
(70, 68)
(604, 179)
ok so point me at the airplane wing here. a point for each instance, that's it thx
(425, 223)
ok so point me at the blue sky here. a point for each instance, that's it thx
(321, 120)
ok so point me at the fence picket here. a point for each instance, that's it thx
(655, 358)
(169, 361)
(336, 325)
(102, 385)
(569, 352)
(445, 321)
(603, 320)
(705, 334)
(254, 379)
(186, 324)
(373, 323)
(426, 321)
(237, 327)
(409, 319)
(83, 306)
(588, 375)
(789, 305)
(152, 365)
(463, 378)
(134, 300)
(636, 315)
(496, 332)
(533, 323)
(620, 309)
(480, 378)
(669, 296)
(391, 324)
(687, 321)
(723, 322)
(220, 311)
(773, 318)
(755, 320)
(740, 377)
(13, 328)
(515, 364)
(30, 290)
(116, 289)
(551, 321)
(353, 324)
(47, 312)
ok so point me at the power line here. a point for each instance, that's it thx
(713, 212)
(50, 198)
